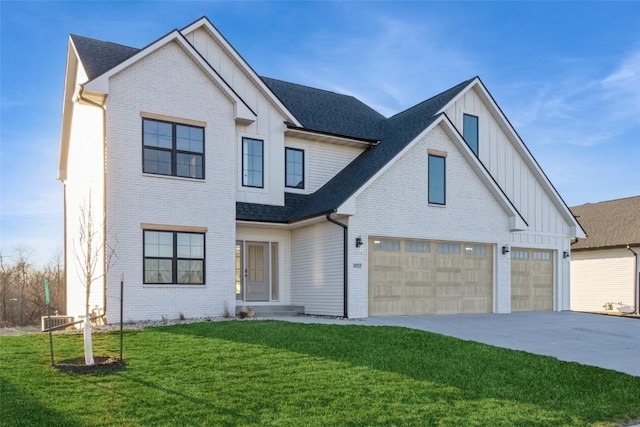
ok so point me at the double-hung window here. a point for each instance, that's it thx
(437, 180)
(172, 257)
(172, 149)
(252, 162)
(294, 167)
(470, 131)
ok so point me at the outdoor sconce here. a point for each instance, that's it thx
(565, 254)
(358, 241)
(505, 250)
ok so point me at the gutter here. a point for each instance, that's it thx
(636, 279)
(345, 273)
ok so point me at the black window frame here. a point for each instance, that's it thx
(174, 149)
(301, 185)
(444, 180)
(476, 151)
(174, 258)
(244, 184)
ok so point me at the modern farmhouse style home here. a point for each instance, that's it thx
(217, 188)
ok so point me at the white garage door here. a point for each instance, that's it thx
(424, 277)
(531, 280)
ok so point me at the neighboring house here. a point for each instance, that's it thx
(221, 188)
(605, 269)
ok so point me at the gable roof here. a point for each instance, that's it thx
(613, 223)
(326, 111)
(99, 56)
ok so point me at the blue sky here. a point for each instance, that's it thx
(566, 74)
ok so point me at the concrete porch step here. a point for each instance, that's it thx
(274, 310)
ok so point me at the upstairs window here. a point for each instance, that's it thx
(252, 162)
(173, 258)
(172, 149)
(470, 131)
(437, 180)
(294, 168)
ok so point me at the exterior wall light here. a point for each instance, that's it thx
(505, 249)
(566, 254)
(358, 242)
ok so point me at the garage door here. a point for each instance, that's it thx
(426, 277)
(531, 280)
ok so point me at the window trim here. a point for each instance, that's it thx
(174, 257)
(477, 126)
(444, 180)
(242, 160)
(286, 168)
(174, 149)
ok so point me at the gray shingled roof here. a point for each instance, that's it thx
(327, 111)
(318, 110)
(98, 56)
(609, 224)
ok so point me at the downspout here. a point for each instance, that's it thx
(636, 279)
(64, 216)
(345, 272)
(104, 196)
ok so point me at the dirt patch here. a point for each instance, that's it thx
(19, 330)
(102, 364)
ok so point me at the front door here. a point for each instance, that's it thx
(256, 272)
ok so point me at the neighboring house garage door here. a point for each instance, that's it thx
(531, 280)
(423, 277)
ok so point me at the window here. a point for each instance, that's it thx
(386, 245)
(172, 149)
(415, 246)
(173, 257)
(445, 248)
(475, 250)
(470, 131)
(542, 256)
(252, 163)
(437, 184)
(519, 254)
(294, 167)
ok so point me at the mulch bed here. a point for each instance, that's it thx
(102, 364)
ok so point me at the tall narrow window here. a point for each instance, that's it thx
(173, 257)
(294, 167)
(437, 180)
(252, 162)
(470, 131)
(172, 149)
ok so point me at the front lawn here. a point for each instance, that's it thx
(275, 373)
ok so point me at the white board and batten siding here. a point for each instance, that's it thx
(509, 164)
(268, 126)
(602, 276)
(316, 268)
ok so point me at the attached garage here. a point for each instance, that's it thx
(531, 280)
(408, 276)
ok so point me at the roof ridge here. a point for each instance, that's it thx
(606, 201)
(419, 104)
(103, 41)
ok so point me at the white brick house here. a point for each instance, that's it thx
(221, 188)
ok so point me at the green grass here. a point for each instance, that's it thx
(273, 373)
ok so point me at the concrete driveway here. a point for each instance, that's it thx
(608, 342)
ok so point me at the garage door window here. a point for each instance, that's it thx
(475, 250)
(519, 254)
(386, 245)
(445, 248)
(542, 256)
(413, 246)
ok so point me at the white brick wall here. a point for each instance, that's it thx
(167, 82)
(396, 205)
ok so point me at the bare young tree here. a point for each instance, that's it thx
(91, 250)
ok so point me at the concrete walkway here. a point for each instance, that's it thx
(608, 342)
